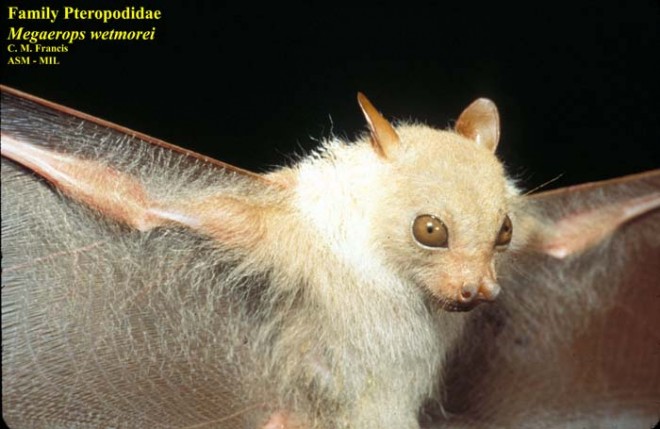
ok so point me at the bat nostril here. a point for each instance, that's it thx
(489, 291)
(478, 292)
(468, 292)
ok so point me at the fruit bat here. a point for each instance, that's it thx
(398, 281)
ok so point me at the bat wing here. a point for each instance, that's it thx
(573, 342)
(104, 325)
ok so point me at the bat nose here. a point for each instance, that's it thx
(486, 291)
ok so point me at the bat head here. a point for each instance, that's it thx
(411, 207)
(444, 204)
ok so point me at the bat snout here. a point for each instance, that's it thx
(465, 294)
(476, 292)
(469, 295)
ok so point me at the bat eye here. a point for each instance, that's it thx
(506, 231)
(430, 231)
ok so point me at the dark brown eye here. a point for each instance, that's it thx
(430, 231)
(504, 236)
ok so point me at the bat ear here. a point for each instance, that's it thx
(383, 136)
(480, 122)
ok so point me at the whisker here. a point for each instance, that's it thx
(542, 185)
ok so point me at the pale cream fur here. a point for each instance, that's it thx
(374, 340)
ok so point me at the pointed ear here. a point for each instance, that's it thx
(480, 122)
(383, 136)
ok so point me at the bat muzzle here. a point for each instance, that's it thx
(470, 295)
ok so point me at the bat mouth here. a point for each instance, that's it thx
(438, 298)
(457, 306)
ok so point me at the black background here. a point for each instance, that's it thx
(577, 85)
